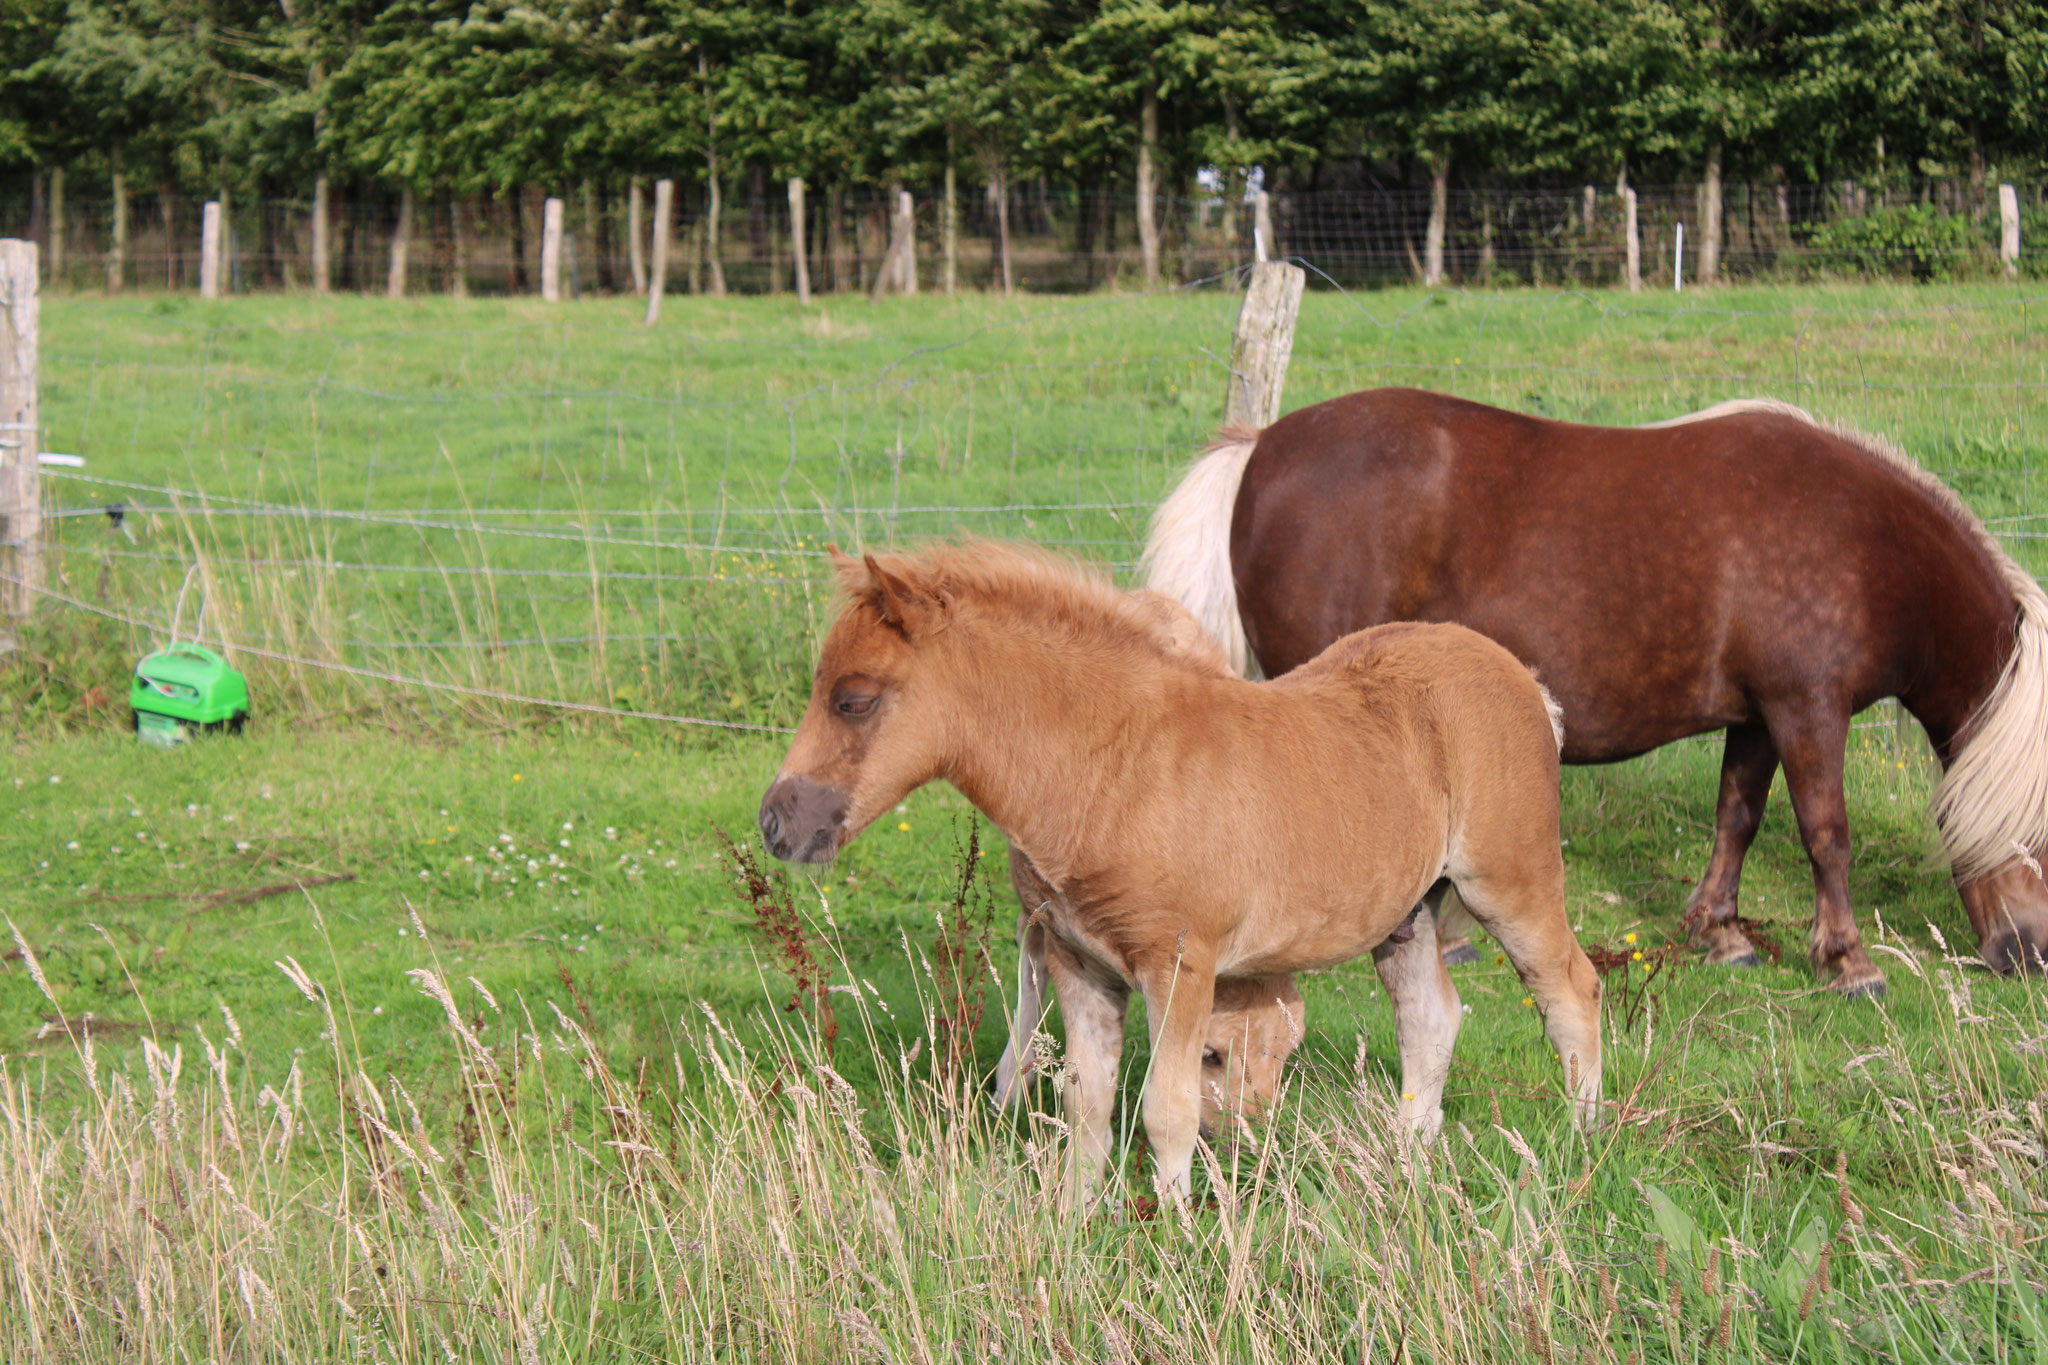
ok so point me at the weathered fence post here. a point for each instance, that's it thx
(1262, 227)
(21, 529)
(551, 251)
(1262, 343)
(1632, 265)
(323, 270)
(2009, 231)
(1586, 210)
(636, 248)
(657, 277)
(1678, 259)
(906, 264)
(209, 250)
(796, 239)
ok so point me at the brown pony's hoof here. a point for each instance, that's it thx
(2009, 953)
(1460, 954)
(1725, 945)
(1868, 985)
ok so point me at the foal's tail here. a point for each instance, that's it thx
(1187, 556)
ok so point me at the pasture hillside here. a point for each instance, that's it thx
(429, 1021)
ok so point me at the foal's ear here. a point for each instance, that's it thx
(905, 605)
(852, 574)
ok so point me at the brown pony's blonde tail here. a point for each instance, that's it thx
(1187, 556)
(1992, 803)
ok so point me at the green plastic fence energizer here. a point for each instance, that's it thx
(185, 688)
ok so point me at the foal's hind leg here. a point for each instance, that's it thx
(1426, 1018)
(1523, 908)
(1812, 740)
(1746, 768)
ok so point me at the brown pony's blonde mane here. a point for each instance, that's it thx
(1032, 587)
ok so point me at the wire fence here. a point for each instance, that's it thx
(498, 515)
(1060, 238)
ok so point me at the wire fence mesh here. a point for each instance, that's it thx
(1061, 238)
(503, 500)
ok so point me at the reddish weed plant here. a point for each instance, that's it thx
(775, 913)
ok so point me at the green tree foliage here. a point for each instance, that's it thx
(486, 94)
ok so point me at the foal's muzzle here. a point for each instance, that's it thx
(802, 820)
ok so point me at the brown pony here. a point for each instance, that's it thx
(1745, 568)
(1196, 826)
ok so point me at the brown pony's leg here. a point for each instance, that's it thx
(1747, 764)
(1179, 995)
(1034, 893)
(1093, 1006)
(1426, 1019)
(1812, 746)
(1013, 1072)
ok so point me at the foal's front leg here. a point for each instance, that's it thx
(1179, 995)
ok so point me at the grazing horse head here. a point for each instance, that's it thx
(867, 738)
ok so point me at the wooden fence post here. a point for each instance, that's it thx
(21, 529)
(906, 264)
(657, 276)
(209, 250)
(551, 251)
(323, 270)
(1632, 267)
(1262, 227)
(796, 239)
(636, 246)
(1262, 343)
(2009, 231)
(56, 262)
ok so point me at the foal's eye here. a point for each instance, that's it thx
(857, 705)
(1211, 1057)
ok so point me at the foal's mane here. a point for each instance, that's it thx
(1023, 585)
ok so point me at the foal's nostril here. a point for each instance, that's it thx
(771, 826)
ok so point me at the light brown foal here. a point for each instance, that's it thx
(1197, 826)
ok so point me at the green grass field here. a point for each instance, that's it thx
(594, 1132)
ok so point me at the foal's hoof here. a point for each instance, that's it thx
(2007, 953)
(1460, 955)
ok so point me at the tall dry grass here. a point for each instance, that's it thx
(525, 1199)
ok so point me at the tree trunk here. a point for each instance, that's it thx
(1439, 211)
(835, 240)
(458, 267)
(1002, 189)
(1710, 219)
(515, 223)
(401, 245)
(636, 251)
(949, 225)
(57, 227)
(167, 214)
(1148, 148)
(1485, 238)
(590, 240)
(713, 248)
(323, 274)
